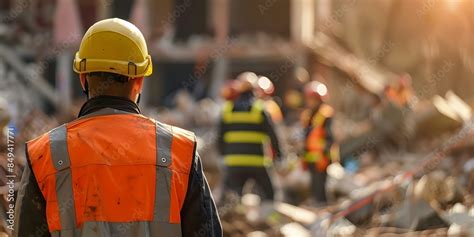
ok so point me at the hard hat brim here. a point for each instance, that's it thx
(130, 69)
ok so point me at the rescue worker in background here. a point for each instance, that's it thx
(316, 121)
(402, 93)
(244, 130)
(264, 91)
(113, 171)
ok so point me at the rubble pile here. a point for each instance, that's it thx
(428, 203)
(436, 203)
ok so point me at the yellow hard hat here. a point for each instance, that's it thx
(113, 45)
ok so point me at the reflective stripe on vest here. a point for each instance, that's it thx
(318, 120)
(253, 116)
(246, 160)
(313, 157)
(61, 161)
(163, 174)
(316, 140)
(246, 134)
(74, 183)
(245, 137)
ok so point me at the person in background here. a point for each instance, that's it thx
(402, 93)
(316, 120)
(244, 129)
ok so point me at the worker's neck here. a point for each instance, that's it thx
(106, 101)
(120, 94)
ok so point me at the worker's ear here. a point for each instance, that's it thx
(137, 88)
(83, 78)
(138, 84)
(85, 87)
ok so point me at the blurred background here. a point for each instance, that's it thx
(399, 75)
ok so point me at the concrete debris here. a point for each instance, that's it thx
(418, 215)
(437, 187)
(257, 234)
(252, 204)
(320, 227)
(454, 192)
(455, 230)
(469, 166)
(251, 200)
(362, 215)
(257, 212)
(469, 175)
(383, 200)
(341, 228)
(294, 229)
(458, 208)
(461, 219)
(340, 183)
(242, 216)
(460, 107)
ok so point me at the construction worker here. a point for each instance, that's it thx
(316, 121)
(264, 91)
(244, 129)
(402, 93)
(113, 171)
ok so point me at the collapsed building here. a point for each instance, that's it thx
(199, 44)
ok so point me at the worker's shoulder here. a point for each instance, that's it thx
(181, 133)
(183, 148)
(326, 110)
(178, 133)
(37, 146)
(43, 138)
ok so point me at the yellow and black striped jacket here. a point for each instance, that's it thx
(244, 131)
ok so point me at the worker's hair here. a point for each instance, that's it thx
(109, 76)
(106, 83)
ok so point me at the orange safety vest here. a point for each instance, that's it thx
(113, 173)
(316, 140)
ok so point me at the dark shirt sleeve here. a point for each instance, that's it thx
(30, 209)
(199, 213)
(269, 129)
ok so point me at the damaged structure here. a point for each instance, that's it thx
(403, 99)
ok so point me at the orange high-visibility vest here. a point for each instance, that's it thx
(113, 173)
(316, 140)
